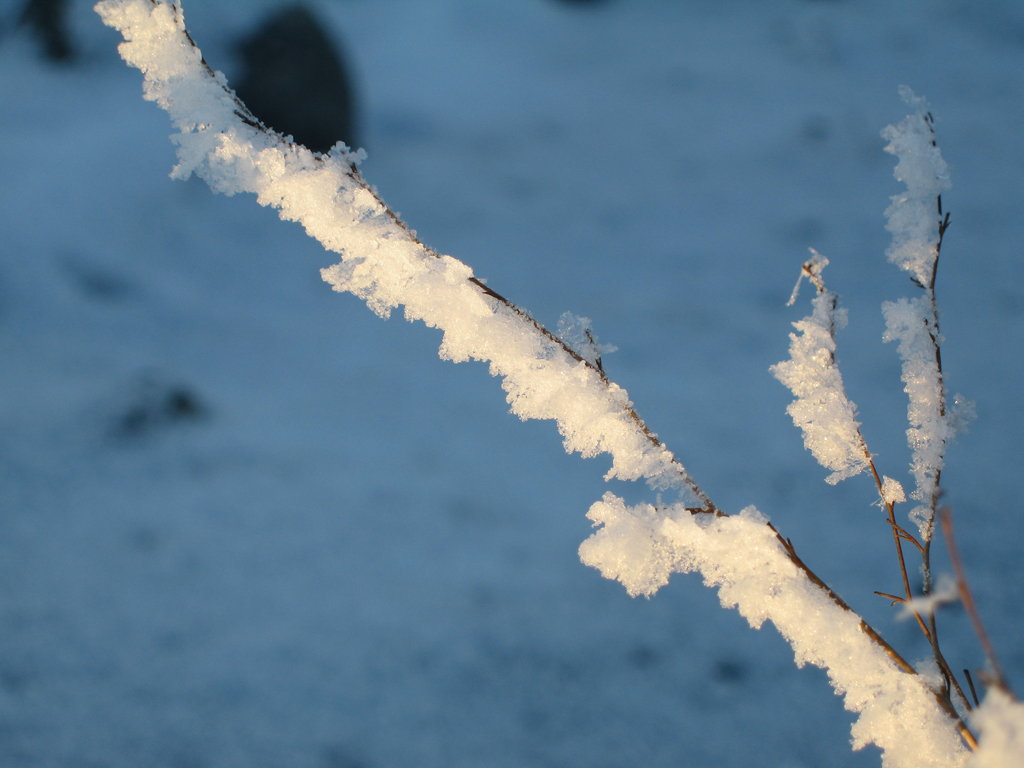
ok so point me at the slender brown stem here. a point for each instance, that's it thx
(947, 671)
(996, 670)
(895, 599)
(970, 682)
(895, 534)
(907, 536)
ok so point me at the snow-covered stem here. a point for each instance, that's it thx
(918, 225)
(827, 418)
(383, 263)
(823, 411)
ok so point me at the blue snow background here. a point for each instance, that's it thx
(354, 557)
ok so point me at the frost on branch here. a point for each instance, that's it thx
(578, 333)
(629, 546)
(742, 557)
(822, 410)
(908, 321)
(912, 215)
(945, 592)
(892, 491)
(384, 264)
(382, 261)
(1000, 720)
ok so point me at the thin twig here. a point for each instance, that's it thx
(895, 600)
(996, 670)
(970, 682)
(907, 536)
(940, 659)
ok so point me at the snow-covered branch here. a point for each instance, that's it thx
(916, 221)
(383, 262)
(545, 377)
(822, 410)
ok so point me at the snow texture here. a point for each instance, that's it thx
(910, 322)
(1000, 721)
(383, 263)
(914, 220)
(742, 557)
(822, 411)
(892, 491)
(913, 215)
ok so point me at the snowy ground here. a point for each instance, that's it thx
(244, 522)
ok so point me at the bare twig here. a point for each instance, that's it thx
(895, 600)
(997, 677)
(970, 682)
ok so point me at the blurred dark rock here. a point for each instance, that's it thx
(295, 81)
(97, 282)
(336, 756)
(154, 404)
(729, 671)
(46, 19)
(643, 657)
(816, 129)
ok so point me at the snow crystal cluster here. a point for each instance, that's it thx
(822, 411)
(1000, 720)
(385, 265)
(892, 491)
(908, 321)
(741, 556)
(382, 262)
(921, 167)
(578, 333)
(915, 221)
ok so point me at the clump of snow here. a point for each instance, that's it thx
(822, 411)
(741, 556)
(892, 491)
(629, 547)
(913, 216)
(1000, 723)
(910, 321)
(578, 333)
(944, 593)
